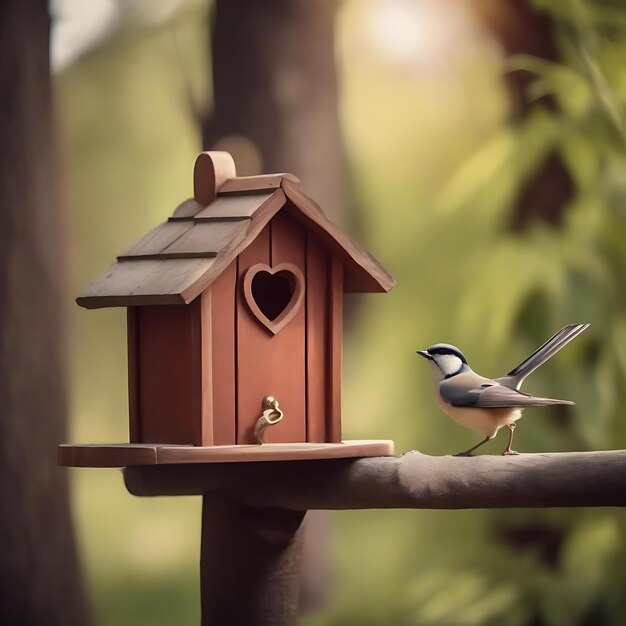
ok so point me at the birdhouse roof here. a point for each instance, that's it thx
(179, 259)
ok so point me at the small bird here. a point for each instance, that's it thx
(483, 404)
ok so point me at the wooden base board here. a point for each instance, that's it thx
(126, 454)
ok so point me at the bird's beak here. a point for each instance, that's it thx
(425, 354)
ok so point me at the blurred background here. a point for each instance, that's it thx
(475, 147)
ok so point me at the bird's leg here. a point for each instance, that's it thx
(469, 452)
(508, 450)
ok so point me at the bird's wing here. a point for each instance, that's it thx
(500, 396)
(464, 388)
(492, 396)
(458, 397)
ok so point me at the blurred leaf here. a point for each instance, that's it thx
(573, 90)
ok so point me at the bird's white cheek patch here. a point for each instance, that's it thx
(448, 364)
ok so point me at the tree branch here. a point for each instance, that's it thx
(411, 481)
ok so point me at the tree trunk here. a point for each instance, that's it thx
(522, 29)
(275, 110)
(275, 92)
(39, 574)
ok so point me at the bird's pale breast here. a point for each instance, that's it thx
(485, 421)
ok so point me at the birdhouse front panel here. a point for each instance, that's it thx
(272, 361)
(283, 340)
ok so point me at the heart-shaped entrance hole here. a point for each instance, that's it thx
(272, 292)
(274, 295)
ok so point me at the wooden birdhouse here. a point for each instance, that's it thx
(235, 316)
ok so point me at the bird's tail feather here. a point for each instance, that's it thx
(549, 401)
(547, 350)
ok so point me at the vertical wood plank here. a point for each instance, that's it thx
(222, 352)
(335, 350)
(255, 359)
(168, 373)
(196, 371)
(288, 245)
(132, 324)
(317, 277)
(271, 364)
(203, 370)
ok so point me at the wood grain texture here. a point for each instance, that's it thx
(168, 357)
(202, 340)
(411, 481)
(317, 341)
(152, 244)
(247, 184)
(134, 283)
(249, 564)
(210, 172)
(223, 355)
(204, 239)
(256, 357)
(134, 420)
(232, 207)
(122, 455)
(286, 372)
(334, 350)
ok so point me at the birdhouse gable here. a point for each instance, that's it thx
(179, 259)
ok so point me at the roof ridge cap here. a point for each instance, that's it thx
(255, 184)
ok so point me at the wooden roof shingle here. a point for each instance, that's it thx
(178, 260)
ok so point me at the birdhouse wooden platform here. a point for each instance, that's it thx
(235, 316)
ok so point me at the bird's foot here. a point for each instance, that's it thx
(509, 452)
(463, 454)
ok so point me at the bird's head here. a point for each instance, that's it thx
(448, 360)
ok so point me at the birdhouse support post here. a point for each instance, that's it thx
(249, 563)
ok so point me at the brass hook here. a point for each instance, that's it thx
(270, 416)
